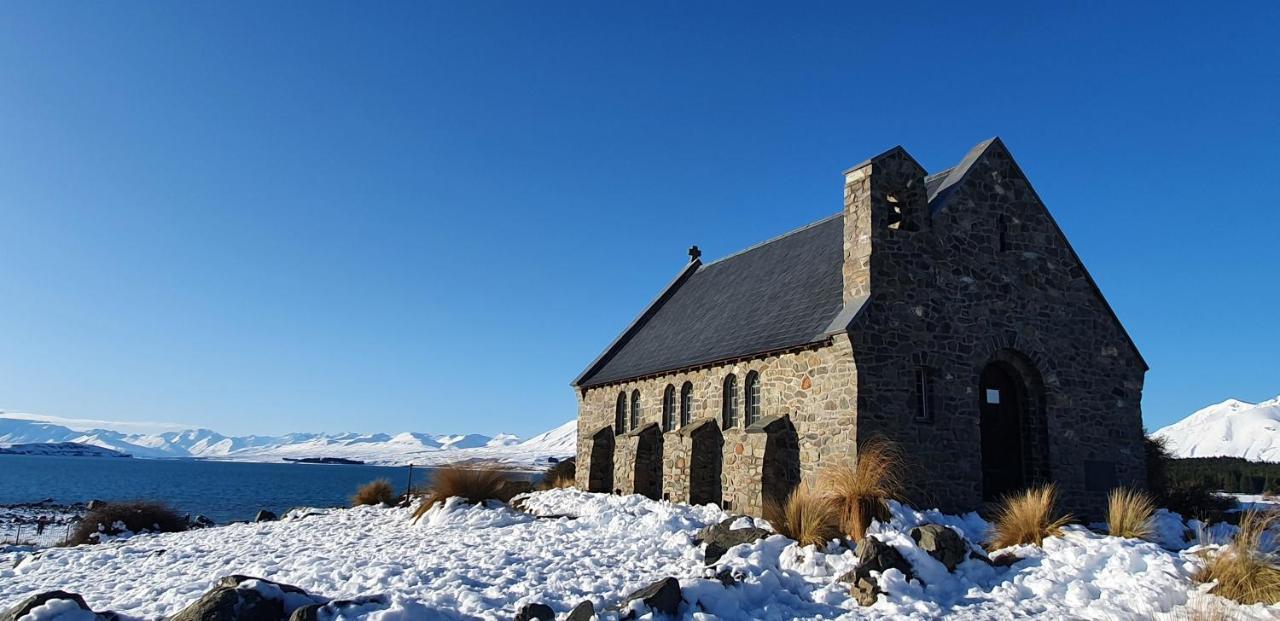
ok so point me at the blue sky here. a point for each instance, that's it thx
(265, 218)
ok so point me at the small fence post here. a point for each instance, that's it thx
(17, 536)
(408, 487)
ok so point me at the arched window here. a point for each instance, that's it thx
(669, 408)
(635, 410)
(620, 414)
(753, 398)
(729, 406)
(686, 404)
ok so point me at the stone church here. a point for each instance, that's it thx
(945, 312)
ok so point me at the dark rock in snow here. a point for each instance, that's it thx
(231, 604)
(230, 601)
(200, 521)
(311, 612)
(874, 555)
(35, 601)
(942, 543)
(265, 516)
(538, 612)
(96, 504)
(584, 611)
(661, 596)
(729, 577)
(719, 538)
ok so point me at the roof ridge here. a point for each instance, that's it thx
(774, 239)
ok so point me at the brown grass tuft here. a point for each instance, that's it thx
(374, 493)
(1027, 518)
(559, 476)
(472, 484)
(1129, 514)
(136, 516)
(807, 516)
(860, 493)
(1244, 570)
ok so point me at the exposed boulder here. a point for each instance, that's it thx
(584, 611)
(874, 556)
(536, 612)
(720, 537)
(662, 596)
(336, 608)
(96, 504)
(200, 521)
(232, 600)
(942, 543)
(265, 516)
(38, 600)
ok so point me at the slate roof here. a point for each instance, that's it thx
(779, 294)
(782, 293)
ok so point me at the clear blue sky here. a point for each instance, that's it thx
(265, 217)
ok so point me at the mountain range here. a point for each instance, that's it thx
(1232, 428)
(378, 448)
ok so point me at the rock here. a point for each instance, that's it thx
(873, 556)
(265, 516)
(335, 608)
(584, 611)
(200, 521)
(96, 504)
(224, 603)
(229, 601)
(942, 543)
(661, 596)
(719, 538)
(234, 580)
(728, 577)
(1004, 560)
(38, 600)
(540, 612)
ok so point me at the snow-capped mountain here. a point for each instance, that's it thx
(1229, 429)
(377, 448)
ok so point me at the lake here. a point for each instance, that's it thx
(222, 491)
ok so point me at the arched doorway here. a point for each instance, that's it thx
(600, 478)
(648, 464)
(1002, 398)
(706, 462)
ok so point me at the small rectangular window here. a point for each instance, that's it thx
(924, 394)
(993, 396)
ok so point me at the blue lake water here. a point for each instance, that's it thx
(222, 491)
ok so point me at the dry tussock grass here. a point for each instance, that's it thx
(1027, 518)
(1245, 570)
(1129, 513)
(472, 484)
(808, 516)
(374, 493)
(861, 492)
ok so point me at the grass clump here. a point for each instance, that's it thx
(1027, 518)
(861, 492)
(135, 516)
(1129, 514)
(1245, 570)
(559, 476)
(807, 516)
(472, 484)
(376, 492)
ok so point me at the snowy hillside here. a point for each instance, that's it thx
(378, 448)
(60, 449)
(1231, 429)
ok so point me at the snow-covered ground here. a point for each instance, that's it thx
(1232, 428)
(421, 449)
(464, 562)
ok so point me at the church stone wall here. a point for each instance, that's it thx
(987, 277)
(807, 416)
